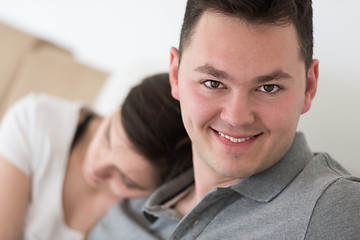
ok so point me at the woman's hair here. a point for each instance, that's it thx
(152, 120)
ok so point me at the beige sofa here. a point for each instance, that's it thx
(30, 64)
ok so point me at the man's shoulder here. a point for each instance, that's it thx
(336, 214)
(347, 187)
(322, 167)
(341, 189)
(323, 179)
(335, 193)
(342, 186)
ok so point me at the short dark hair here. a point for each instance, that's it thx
(152, 120)
(276, 12)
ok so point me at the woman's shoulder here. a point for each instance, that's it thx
(36, 105)
(33, 122)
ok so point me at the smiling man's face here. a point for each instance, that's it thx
(242, 89)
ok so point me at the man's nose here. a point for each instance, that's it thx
(238, 110)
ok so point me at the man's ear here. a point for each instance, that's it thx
(312, 81)
(173, 74)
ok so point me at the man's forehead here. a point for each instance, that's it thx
(212, 25)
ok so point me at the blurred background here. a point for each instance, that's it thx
(131, 39)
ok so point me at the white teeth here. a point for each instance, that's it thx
(232, 139)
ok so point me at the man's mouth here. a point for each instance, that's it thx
(233, 139)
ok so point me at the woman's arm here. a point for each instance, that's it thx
(14, 200)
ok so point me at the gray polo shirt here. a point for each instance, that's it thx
(303, 196)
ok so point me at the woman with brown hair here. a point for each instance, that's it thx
(62, 166)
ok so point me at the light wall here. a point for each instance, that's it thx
(332, 125)
(131, 39)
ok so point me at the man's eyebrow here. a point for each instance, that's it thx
(208, 69)
(220, 74)
(276, 75)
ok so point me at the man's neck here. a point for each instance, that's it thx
(205, 180)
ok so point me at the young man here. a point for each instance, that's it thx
(244, 74)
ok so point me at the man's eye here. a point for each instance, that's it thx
(214, 84)
(269, 88)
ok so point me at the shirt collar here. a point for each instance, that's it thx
(266, 185)
(262, 187)
(153, 207)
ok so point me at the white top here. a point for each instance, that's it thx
(36, 136)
